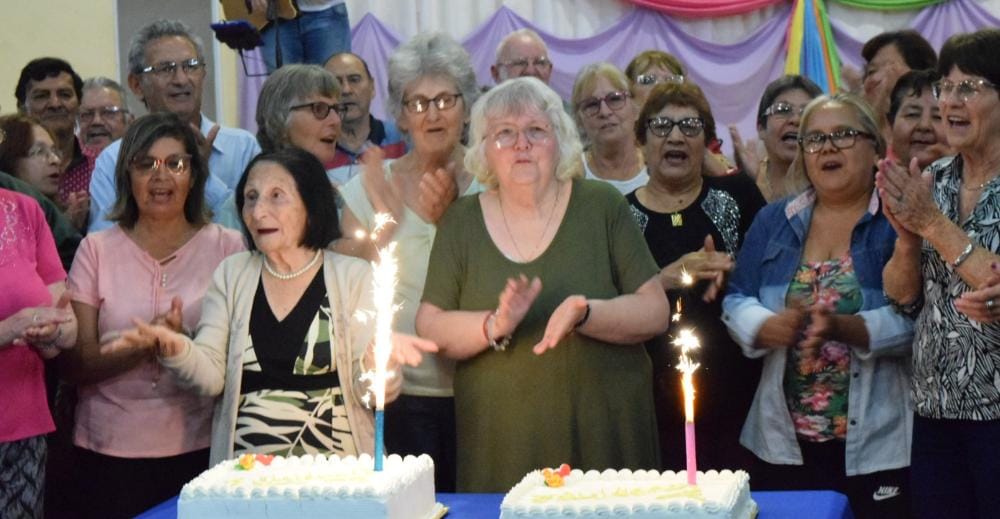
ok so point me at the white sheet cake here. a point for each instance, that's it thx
(312, 487)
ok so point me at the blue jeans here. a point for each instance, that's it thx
(312, 37)
(954, 468)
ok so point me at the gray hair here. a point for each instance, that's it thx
(154, 31)
(517, 34)
(105, 82)
(587, 78)
(514, 97)
(431, 54)
(797, 181)
(284, 88)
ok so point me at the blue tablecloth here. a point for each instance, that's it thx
(773, 505)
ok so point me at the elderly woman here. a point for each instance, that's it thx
(278, 338)
(695, 224)
(948, 222)
(431, 89)
(562, 345)
(778, 116)
(604, 111)
(139, 435)
(806, 294)
(916, 128)
(29, 153)
(650, 68)
(33, 327)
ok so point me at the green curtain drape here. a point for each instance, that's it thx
(890, 5)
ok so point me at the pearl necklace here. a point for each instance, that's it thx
(292, 275)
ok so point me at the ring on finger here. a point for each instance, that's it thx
(34, 317)
(990, 303)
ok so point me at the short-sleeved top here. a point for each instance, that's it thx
(143, 412)
(623, 186)
(29, 263)
(956, 359)
(586, 402)
(413, 237)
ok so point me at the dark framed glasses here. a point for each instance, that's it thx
(662, 126)
(813, 142)
(175, 164)
(420, 104)
(964, 89)
(321, 109)
(592, 106)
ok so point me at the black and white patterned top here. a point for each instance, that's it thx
(956, 360)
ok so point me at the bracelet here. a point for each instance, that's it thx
(966, 252)
(583, 320)
(497, 343)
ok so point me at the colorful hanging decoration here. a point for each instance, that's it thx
(811, 49)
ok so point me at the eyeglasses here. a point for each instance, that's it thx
(506, 136)
(321, 109)
(653, 79)
(420, 104)
(518, 66)
(965, 89)
(175, 164)
(662, 126)
(43, 151)
(783, 110)
(840, 139)
(592, 106)
(107, 112)
(167, 68)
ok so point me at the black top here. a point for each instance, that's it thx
(277, 344)
(726, 381)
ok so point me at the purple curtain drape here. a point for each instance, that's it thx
(732, 76)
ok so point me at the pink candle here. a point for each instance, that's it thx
(692, 464)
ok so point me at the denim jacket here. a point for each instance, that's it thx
(879, 420)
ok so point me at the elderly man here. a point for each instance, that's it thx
(50, 90)
(359, 128)
(104, 115)
(888, 56)
(522, 53)
(167, 72)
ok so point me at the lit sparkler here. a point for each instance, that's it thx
(687, 341)
(384, 285)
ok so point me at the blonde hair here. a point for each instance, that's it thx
(587, 78)
(513, 97)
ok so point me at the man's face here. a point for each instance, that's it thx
(523, 56)
(53, 101)
(356, 88)
(103, 117)
(177, 91)
(881, 73)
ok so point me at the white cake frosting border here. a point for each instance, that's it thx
(736, 503)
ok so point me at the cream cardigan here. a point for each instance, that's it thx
(212, 363)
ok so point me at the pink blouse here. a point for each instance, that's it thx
(29, 263)
(143, 413)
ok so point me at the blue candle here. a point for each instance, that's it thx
(379, 426)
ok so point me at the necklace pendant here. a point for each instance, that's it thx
(676, 220)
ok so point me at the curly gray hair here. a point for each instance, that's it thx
(514, 97)
(430, 54)
(284, 88)
(154, 31)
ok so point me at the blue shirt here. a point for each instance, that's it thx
(879, 420)
(231, 152)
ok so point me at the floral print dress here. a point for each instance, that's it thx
(817, 379)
